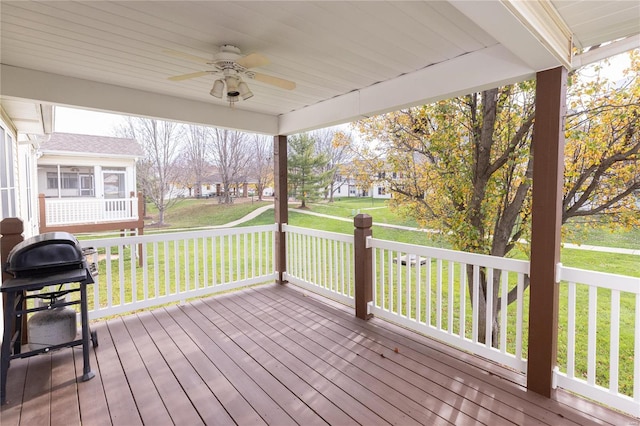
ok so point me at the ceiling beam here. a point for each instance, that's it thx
(491, 67)
(48, 88)
(531, 30)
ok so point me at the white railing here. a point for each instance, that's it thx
(599, 337)
(426, 289)
(433, 291)
(321, 262)
(150, 270)
(73, 211)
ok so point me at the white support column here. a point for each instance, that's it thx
(98, 185)
(59, 182)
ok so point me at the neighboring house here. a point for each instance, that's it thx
(348, 186)
(212, 186)
(71, 165)
(85, 179)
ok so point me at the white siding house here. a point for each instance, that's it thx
(86, 179)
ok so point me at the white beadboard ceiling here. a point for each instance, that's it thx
(349, 59)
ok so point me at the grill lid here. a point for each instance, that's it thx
(45, 253)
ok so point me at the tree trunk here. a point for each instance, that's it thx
(481, 318)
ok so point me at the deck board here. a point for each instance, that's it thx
(92, 400)
(442, 359)
(377, 360)
(64, 390)
(275, 355)
(204, 401)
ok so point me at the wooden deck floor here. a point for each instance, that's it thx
(274, 355)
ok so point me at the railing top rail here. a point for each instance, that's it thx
(600, 279)
(515, 265)
(169, 236)
(64, 200)
(322, 234)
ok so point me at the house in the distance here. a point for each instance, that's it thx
(85, 180)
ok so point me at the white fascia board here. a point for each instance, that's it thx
(604, 52)
(487, 68)
(24, 83)
(531, 30)
(93, 155)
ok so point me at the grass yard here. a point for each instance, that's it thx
(193, 213)
(579, 233)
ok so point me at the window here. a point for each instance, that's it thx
(29, 190)
(69, 180)
(381, 191)
(114, 185)
(7, 178)
(52, 180)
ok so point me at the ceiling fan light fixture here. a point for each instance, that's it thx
(232, 100)
(217, 89)
(232, 86)
(244, 90)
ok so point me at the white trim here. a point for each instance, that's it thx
(79, 93)
(490, 67)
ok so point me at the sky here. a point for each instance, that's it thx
(70, 120)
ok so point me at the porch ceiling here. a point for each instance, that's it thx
(349, 59)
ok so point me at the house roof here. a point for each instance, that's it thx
(91, 145)
(349, 59)
(217, 178)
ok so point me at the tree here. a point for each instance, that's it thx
(231, 156)
(159, 175)
(262, 162)
(466, 166)
(602, 170)
(335, 145)
(307, 175)
(194, 156)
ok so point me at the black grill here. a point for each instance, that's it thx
(50, 259)
(50, 253)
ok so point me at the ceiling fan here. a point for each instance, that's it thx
(231, 66)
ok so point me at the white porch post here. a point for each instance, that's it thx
(59, 181)
(98, 185)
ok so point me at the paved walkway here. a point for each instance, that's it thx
(408, 228)
(257, 212)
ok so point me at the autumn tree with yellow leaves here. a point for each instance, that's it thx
(467, 164)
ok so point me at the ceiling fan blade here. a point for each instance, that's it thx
(188, 76)
(188, 56)
(274, 81)
(252, 60)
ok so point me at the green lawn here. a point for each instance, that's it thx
(621, 238)
(193, 213)
(349, 207)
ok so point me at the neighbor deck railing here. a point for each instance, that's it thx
(144, 271)
(72, 211)
(599, 337)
